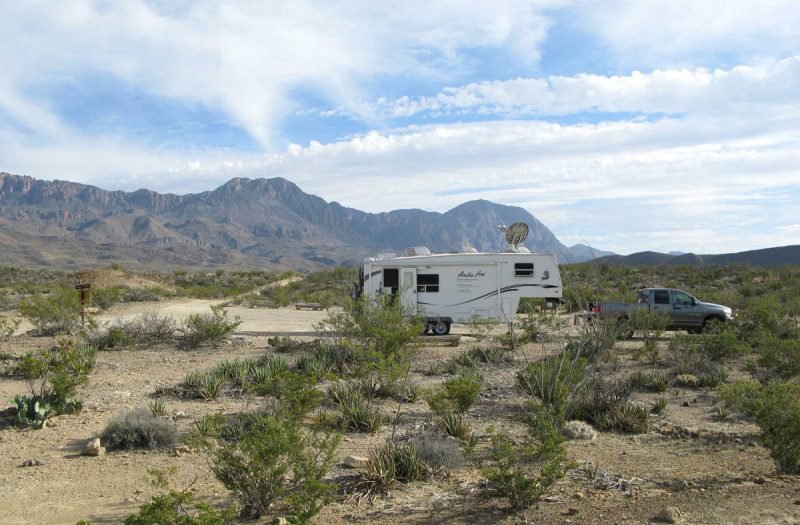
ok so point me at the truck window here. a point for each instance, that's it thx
(428, 282)
(644, 297)
(523, 269)
(661, 297)
(682, 298)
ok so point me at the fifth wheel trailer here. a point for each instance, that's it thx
(458, 287)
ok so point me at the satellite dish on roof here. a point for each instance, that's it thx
(515, 234)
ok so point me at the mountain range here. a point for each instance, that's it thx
(265, 223)
(247, 223)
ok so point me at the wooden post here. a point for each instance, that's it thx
(85, 290)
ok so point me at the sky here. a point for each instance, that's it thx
(628, 125)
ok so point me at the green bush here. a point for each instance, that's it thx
(606, 405)
(179, 508)
(394, 462)
(277, 466)
(53, 314)
(556, 381)
(776, 409)
(457, 393)
(211, 329)
(113, 337)
(454, 425)
(138, 428)
(510, 474)
(203, 385)
(105, 298)
(53, 377)
(649, 380)
(355, 412)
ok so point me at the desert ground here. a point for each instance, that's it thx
(708, 471)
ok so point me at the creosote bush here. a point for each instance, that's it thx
(139, 428)
(53, 314)
(207, 329)
(776, 409)
(149, 328)
(277, 467)
(513, 474)
(455, 394)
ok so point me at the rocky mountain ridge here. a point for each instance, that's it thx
(243, 223)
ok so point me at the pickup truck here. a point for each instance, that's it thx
(685, 312)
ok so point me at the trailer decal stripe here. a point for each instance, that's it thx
(511, 288)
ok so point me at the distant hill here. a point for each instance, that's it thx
(768, 257)
(247, 223)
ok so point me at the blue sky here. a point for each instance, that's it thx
(628, 125)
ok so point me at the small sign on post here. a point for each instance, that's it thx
(85, 290)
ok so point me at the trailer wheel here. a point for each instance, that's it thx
(441, 328)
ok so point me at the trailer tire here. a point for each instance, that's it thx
(441, 328)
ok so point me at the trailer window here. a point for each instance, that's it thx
(523, 269)
(661, 297)
(428, 282)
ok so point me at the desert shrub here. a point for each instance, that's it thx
(52, 314)
(277, 466)
(650, 326)
(650, 380)
(779, 358)
(489, 354)
(454, 425)
(394, 462)
(200, 329)
(112, 337)
(158, 407)
(236, 371)
(606, 404)
(511, 475)
(356, 413)
(537, 327)
(8, 327)
(285, 344)
(437, 452)
(555, 381)
(382, 334)
(105, 298)
(461, 364)
(455, 394)
(314, 365)
(776, 409)
(659, 405)
(578, 430)
(138, 428)
(179, 507)
(203, 385)
(54, 377)
(149, 328)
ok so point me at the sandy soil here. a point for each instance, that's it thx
(715, 472)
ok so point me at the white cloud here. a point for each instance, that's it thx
(680, 32)
(744, 88)
(247, 58)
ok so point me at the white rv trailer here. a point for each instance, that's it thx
(456, 287)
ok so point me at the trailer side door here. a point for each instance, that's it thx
(408, 287)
